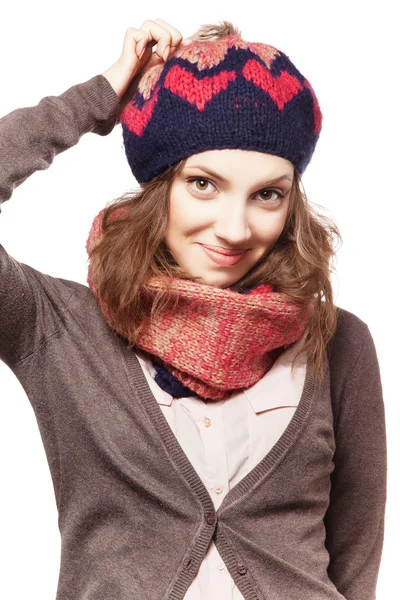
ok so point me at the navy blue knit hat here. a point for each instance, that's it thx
(218, 92)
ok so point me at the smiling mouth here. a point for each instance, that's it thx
(224, 260)
(224, 251)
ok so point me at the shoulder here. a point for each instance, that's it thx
(351, 344)
(63, 295)
(82, 314)
(59, 291)
(351, 329)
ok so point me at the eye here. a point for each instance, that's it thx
(276, 192)
(199, 179)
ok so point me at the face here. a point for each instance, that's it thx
(227, 201)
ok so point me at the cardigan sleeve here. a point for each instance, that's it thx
(31, 303)
(355, 517)
(30, 137)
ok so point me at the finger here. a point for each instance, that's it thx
(160, 34)
(176, 36)
(153, 59)
(140, 39)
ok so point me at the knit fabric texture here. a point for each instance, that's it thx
(213, 340)
(225, 93)
(171, 384)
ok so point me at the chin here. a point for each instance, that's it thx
(221, 282)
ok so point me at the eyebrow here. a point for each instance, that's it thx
(216, 176)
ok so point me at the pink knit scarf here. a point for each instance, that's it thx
(215, 341)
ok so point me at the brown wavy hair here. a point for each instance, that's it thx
(299, 264)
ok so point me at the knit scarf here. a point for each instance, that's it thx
(209, 341)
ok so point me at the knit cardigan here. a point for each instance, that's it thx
(306, 523)
(225, 439)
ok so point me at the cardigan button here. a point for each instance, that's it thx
(241, 568)
(210, 518)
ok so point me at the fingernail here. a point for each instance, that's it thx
(166, 52)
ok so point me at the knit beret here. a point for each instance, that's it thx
(216, 94)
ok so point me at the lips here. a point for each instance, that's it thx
(224, 251)
(225, 260)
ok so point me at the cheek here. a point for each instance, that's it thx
(178, 224)
(184, 214)
(269, 227)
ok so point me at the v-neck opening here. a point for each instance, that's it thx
(177, 455)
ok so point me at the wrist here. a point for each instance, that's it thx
(116, 80)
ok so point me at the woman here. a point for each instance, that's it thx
(214, 424)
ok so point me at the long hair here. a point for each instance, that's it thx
(132, 249)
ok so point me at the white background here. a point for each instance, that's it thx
(347, 51)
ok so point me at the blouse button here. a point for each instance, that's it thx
(207, 422)
(219, 489)
(221, 566)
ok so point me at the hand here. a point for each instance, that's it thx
(137, 56)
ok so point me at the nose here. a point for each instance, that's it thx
(232, 225)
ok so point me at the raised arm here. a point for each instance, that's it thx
(32, 136)
(31, 303)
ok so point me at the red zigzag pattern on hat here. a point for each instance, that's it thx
(199, 92)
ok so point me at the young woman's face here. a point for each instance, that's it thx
(227, 200)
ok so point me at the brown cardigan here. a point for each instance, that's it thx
(307, 523)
